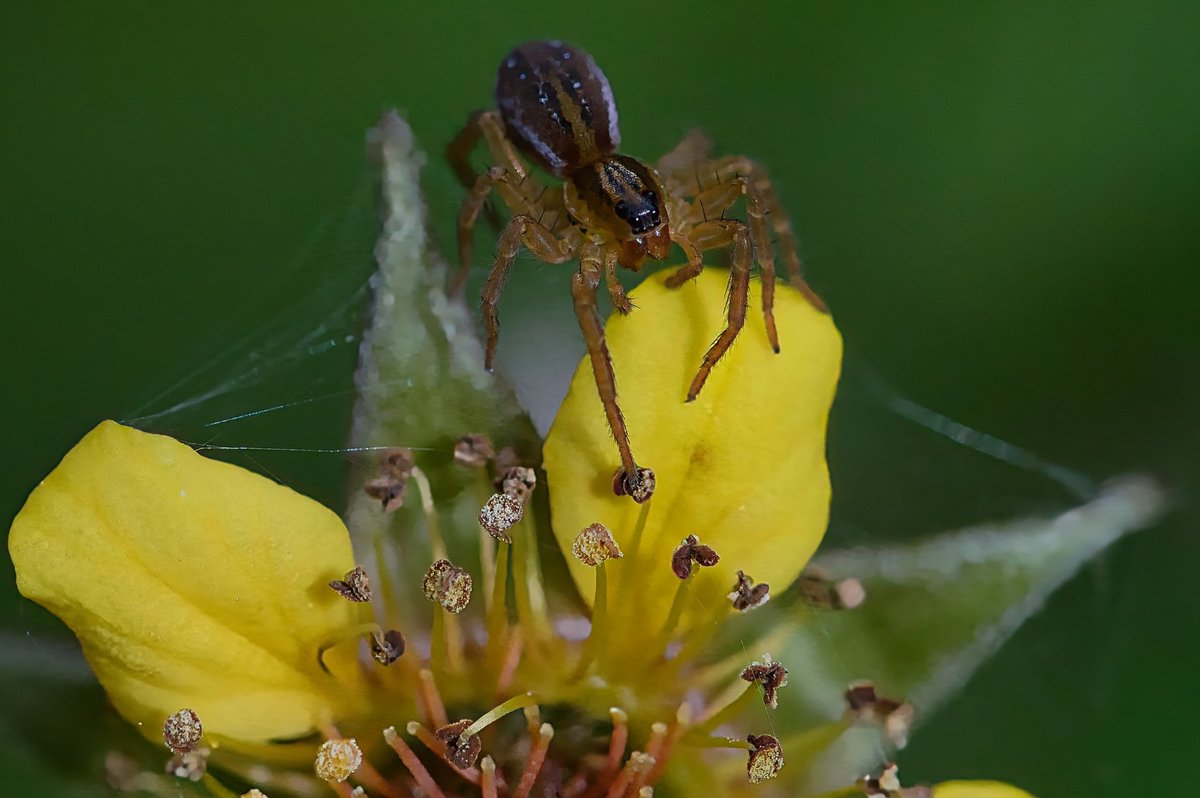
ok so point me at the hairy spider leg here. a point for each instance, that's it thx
(691, 150)
(710, 235)
(594, 259)
(615, 290)
(522, 229)
(490, 126)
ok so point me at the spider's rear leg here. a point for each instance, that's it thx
(542, 243)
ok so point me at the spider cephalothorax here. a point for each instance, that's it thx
(554, 105)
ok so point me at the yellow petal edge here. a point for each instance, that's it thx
(743, 467)
(977, 789)
(189, 583)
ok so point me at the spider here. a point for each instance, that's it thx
(555, 107)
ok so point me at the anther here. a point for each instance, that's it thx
(473, 451)
(746, 595)
(389, 487)
(461, 751)
(338, 759)
(517, 482)
(501, 513)
(388, 647)
(190, 765)
(886, 784)
(771, 675)
(354, 586)
(818, 590)
(183, 731)
(448, 585)
(254, 793)
(766, 758)
(594, 545)
(638, 485)
(692, 551)
(894, 717)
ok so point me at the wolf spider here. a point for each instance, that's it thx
(555, 107)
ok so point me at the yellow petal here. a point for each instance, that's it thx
(189, 583)
(743, 466)
(977, 789)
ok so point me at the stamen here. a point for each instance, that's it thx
(887, 785)
(337, 760)
(462, 748)
(895, 717)
(531, 599)
(473, 451)
(766, 758)
(431, 698)
(616, 743)
(388, 647)
(499, 514)
(534, 761)
(594, 647)
(639, 530)
(683, 720)
(190, 765)
(746, 595)
(487, 781)
(493, 715)
(517, 482)
(354, 586)
(183, 731)
(431, 741)
(448, 585)
(637, 485)
(509, 662)
(395, 468)
(818, 590)
(639, 764)
(412, 763)
(594, 545)
(690, 551)
(771, 675)
(436, 544)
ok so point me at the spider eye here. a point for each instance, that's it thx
(621, 209)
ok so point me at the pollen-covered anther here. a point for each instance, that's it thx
(747, 595)
(766, 757)
(337, 760)
(638, 485)
(501, 513)
(771, 675)
(473, 451)
(448, 585)
(387, 647)
(518, 482)
(594, 545)
(887, 785)
(190, 765)
(692, 552)
(183, 731)
(461, 752)
(821, 591)
(354, 586)
(894, 717)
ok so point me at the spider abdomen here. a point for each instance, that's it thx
(557, 106)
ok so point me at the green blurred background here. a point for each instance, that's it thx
(999, 200)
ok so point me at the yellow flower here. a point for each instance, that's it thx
(228, 611)
(977, 789)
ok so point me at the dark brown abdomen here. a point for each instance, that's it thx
(557, 106)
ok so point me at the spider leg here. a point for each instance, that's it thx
(739, 292)
(615, 290)
(541, 242)
(690, 151)
(594, 260)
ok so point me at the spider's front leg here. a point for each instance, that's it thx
(595, 261)
(715, 234)
(700, 231)
(522, 229)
